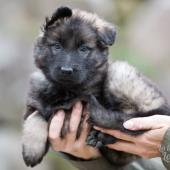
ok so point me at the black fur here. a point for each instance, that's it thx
(60, 13)
(73, 58)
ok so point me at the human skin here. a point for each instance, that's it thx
(69, 143)
(146, 145)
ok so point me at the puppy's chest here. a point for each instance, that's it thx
(53, 99)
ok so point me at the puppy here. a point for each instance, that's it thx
(71, 55)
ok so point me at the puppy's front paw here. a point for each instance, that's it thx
(94, 139)
(98, 139)
(34, 140)
(31, 155)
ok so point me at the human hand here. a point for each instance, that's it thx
(146, 145)
(70, 144)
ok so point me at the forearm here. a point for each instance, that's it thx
(165, 149)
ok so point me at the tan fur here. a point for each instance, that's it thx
(125, 81)
(93, 19)
(34, 138)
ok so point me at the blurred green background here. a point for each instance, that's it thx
(143, 39)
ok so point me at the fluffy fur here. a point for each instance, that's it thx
(34, 139)
(72, 57)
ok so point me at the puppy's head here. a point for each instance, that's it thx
(73, 47)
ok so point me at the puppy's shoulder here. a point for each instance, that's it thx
(122, 71)
(125, 81)
(38, 81)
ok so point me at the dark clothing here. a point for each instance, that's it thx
(102, 164)
(165, 149)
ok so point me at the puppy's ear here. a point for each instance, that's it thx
(59, 13)
(106, 33)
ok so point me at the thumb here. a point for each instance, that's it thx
(146, 123)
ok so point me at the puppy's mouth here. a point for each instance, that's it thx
(67, 80)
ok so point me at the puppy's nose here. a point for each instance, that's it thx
(66, 70)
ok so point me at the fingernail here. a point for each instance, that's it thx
(60, 113)
(128, 124)
(78, 105)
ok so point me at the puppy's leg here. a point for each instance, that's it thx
(103, 117)
(34, 139)
(106, 118)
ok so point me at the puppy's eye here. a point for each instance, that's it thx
(84, 48)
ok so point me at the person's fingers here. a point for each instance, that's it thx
(56, 125)
(116, 133)
(85, 130)
(132, 148)
(75, 117)
(125, 147)
(150, 122)
(74, 121)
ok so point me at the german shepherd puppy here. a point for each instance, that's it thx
(72, 57)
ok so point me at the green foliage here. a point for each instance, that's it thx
(126, 54)
(59, 162)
